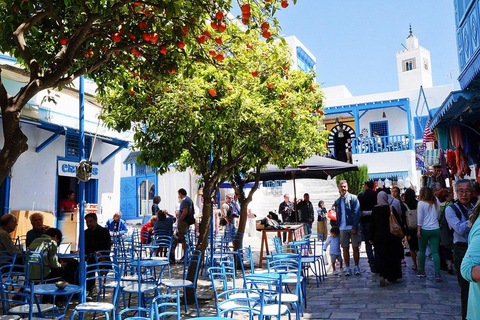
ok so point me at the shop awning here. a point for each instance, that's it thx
(394, 175)
(460, 107)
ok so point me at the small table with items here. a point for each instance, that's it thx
(51, 289)
(295, 230)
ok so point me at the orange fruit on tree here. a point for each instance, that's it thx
(116, 37)
(184, 31)
(220, 15)
(171, 70)
(245, 21)
(311, 87)
(142, 25)
(154, 37)
(255, 73)
(63, 41)
(146, 36)
(220, 57)
(132, 36)
(212, 52)
(245, 8)
(218, 40)
(201, 39)
(181, 44)
(212, 92)
(284, 4)
(247, 15)
(265, 25)
(221, 27)
(214, 25)
(163, 49)
(249, 46)
(266, 34)
(270, 86)
(207, 34)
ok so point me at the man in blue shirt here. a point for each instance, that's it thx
(347, 207)
(457, 217)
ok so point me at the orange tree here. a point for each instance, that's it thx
(56, 42)
(247, 110)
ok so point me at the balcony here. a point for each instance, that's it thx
(392, 143)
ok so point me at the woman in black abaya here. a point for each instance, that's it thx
(387, 247)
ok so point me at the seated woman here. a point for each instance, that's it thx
(52, 267)
(164, 226)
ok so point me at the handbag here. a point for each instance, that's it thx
(332, 215)
(411, 216)
(395, 227)
(432, 157)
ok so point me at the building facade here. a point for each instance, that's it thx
(386, 129)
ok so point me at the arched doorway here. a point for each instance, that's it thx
(337, 140)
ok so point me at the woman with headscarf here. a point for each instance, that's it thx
(388, 248)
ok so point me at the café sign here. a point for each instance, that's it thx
(68, 169)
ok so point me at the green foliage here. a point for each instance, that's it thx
(252, 109)
(355, 179)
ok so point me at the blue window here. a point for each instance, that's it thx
(380, 127)
(420, 124)
(143, 170)
(72, 150)
(304, 61)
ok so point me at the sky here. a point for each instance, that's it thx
(355, 42)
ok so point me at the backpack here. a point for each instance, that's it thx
(190, 218)
(411, 217)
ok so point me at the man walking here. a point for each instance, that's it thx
(184, 216)
(305, 209)
(368, 200)
(347, 207)
(457, 217)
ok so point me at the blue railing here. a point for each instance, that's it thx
(398, 142)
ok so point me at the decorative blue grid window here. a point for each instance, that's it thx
(380, 127)
(72, 146)
(304, 61)
(143, 169)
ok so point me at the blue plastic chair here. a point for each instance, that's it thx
(194, 258)
(104, 272)
(162, 305)
(312, 258)
(291, 265)
(250, 301)
(15, 283)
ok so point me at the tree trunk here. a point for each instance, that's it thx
(202, 240)
(15, 141)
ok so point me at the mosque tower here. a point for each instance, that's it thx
(414, 65)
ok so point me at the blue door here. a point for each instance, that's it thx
(128, 197)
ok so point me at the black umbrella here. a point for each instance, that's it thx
(315, 167)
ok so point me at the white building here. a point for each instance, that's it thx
(398, 117)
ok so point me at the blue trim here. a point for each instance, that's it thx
(383, 175)
(379, 122)
(52, 138)
(7, 58)
(366, 106)
(453, 106)
(305, 58)
(114, 152)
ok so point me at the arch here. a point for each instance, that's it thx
(337, 142)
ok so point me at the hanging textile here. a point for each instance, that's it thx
(451, 161)
(470, 144)
(428, 135)
(444, 138)
(456, 136)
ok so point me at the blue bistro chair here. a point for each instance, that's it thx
(176, 284)
(17, 294)
(103, 272)
(250, 301)
(163, 305)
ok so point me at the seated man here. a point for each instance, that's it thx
(116, 225)
(38, 229)
(8, 224)
(97, 238)
(52, 267)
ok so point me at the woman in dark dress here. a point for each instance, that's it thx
(388, 248)
(411, 202)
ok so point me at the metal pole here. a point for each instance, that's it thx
(212, 218)
(81, 191)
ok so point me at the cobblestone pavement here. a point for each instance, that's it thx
(361, 297)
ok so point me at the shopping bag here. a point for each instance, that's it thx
(332, 215)
(395, 227)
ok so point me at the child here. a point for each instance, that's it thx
(335, 254)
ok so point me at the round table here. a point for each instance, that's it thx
(52, 290)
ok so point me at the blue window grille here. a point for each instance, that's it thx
(141, 169)
(304, 61)
(72, 150)
(380, 127)
(420, 124)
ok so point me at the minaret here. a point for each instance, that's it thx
(414, 65)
